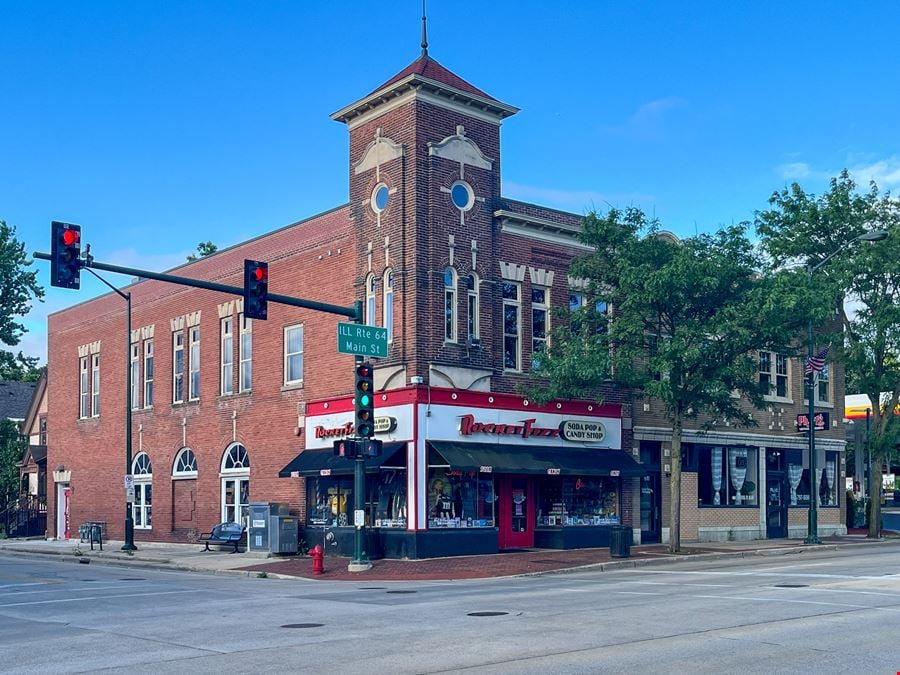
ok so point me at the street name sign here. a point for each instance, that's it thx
(354, 338)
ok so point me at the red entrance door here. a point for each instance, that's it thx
(516, 512)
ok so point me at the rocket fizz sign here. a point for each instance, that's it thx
(518, 428)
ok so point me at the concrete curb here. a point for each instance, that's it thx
(115, 558)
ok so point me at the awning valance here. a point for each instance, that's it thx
(535, 459)
(312, 462)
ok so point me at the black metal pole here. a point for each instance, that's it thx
(812, 528)
(360, 562)
(129, 518)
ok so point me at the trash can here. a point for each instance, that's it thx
(620, 541)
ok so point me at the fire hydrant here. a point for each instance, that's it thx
(317, 553)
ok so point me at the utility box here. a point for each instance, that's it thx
(283, 534)
(259, 536)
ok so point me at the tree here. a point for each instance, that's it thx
(12, 447)
(685, 322)
(18, 286)
(801, 228)
(204, 248)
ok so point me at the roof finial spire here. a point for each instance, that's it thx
(424, 32)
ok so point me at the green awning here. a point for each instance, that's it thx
(312, 462)
(535, 460)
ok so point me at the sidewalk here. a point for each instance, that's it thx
(191, 557)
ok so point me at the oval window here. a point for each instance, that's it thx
(462, 195)
(380, 197)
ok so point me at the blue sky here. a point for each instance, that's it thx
(156, 126)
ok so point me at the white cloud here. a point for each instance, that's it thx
(885, 173)
(650, 119)
(795, 170)
(577, 201)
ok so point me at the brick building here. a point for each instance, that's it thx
(228, 411)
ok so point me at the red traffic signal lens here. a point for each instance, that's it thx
(70, 237)
(364, 371)
(260, 274)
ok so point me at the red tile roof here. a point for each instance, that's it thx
(428, 67)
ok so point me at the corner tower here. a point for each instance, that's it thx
(424, 184)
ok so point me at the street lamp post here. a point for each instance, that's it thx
(812, 527)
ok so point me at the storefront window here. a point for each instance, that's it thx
(798, 479)
(727, 476)
(460, 499)
(330, 500)
(577, 501)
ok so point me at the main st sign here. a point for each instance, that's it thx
(354, 338)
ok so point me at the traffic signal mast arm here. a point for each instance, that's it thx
(353, 312)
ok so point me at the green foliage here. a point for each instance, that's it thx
(687, 318)
(12, 447)
(18, 286)
(204, 248)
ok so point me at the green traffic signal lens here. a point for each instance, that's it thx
(365, 400)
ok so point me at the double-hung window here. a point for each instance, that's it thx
(512, 315)
(178, 367)
(135, 375)
(227, 361)
(95, 385)
(84, 390)
(449, 305)
(774, 374)
(293, 354)
(540, 322)
(194, 337)
(148, 373)
(245, 354)
(473, 305)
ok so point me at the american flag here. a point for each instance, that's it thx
(815, 364)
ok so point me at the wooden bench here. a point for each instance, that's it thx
(223, 534)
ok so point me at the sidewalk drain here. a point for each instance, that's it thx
(402, 591)
(791, 586)
(303, 625)
(487, 613)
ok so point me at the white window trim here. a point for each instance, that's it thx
(773, 375)
(226, 360)
(246, 330)
(545, 308)
(371, 304)
(518, 305)
(817, 402)
(387, 310)
(287, 354)
(450, 296)
(236, 475)
(83, 388)
(148, 380)
(95, 385)
(176, 347)
(135, 375)
(194, 365)
(141, 482)
(183, 475)
(473, 308)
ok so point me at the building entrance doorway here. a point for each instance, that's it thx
(516, 512)
(776, 506)
(651, 494)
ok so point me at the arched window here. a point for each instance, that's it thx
(141, 507)
(388, 309)
(473, 304)
(235, 475)
(185, 464)
(450, 305)
(370, 300)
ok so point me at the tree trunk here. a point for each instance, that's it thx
(675, 484)
(874, 510)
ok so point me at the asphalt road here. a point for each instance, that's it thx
(822, 612)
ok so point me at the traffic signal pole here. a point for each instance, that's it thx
(360, 562)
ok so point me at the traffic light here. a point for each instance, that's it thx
(347, 448)
(65, 255)
(256, 289)
(364, 400)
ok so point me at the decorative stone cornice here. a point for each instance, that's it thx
(544, 229)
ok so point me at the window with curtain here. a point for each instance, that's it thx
(727, 475)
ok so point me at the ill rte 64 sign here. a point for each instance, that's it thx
(354, 338)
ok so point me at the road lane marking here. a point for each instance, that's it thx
(97, 597)
(34, 583)
(805, 575)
